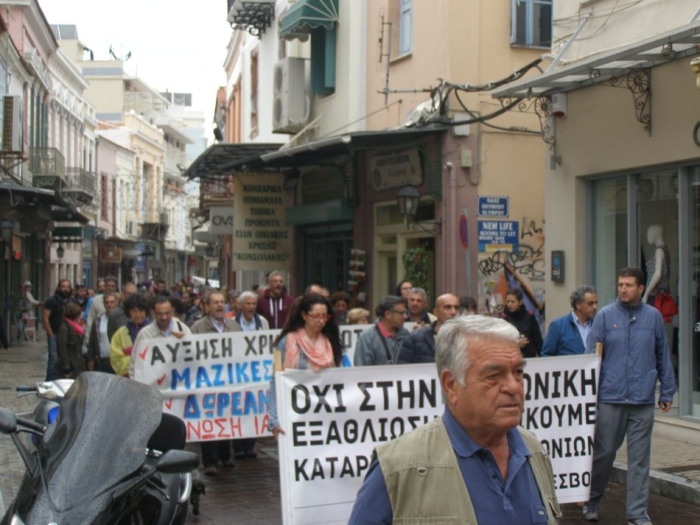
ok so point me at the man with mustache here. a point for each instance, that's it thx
(474, 464)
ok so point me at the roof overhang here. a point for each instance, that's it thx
(37, 200)
(650, 52)
(306, 15)
(221, 160)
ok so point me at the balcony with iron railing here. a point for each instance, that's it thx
(80, 185)
(48, 168)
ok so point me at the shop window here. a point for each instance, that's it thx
(323, 50)
(531, 23)
(610, 241)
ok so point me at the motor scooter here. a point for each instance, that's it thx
(110, 457)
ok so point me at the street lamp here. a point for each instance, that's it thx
(7, 227)
(60, 252)
(408, 199)
(210, 250)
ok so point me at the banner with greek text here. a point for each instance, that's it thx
(334, 419)
(261, 238)
(217, 383)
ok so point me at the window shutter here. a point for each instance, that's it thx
(329, 78)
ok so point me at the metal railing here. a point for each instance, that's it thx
(78, 179)
(47, 162)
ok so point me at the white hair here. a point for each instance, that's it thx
(453, 340)
(247, 295)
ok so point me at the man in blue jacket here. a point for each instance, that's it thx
(633, 342)
(568, 334)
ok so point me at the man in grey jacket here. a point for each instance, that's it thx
(216, 321)
(380, 345)
(633, 342)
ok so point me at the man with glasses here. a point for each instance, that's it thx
(380, 345)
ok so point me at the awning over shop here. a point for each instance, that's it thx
(306, 15)
(650, 52)
(218, 160)
(38, 202)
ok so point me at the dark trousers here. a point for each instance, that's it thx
(215, 451)
(244, 445)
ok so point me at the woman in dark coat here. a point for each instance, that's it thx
(530, 341)
(69, 343)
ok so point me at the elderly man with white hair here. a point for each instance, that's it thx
(474, 464)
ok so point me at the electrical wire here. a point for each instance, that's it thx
(500, 128)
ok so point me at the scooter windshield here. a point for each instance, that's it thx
(99, 439)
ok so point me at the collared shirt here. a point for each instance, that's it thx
(247, 326)
(515, 500)
(383, 331)
(219, 325)
(583, 330)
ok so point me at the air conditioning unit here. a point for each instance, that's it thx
(12, 124)
(290, 107)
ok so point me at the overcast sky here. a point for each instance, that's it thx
(176, 45)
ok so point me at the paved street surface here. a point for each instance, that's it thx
(249, 494)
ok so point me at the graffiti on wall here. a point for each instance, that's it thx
(520, 267)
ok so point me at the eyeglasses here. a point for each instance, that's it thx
(400, 312)
(320, 317)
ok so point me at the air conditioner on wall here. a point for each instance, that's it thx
(12, 124)
(290, 107)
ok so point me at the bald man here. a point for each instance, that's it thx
(419, 347)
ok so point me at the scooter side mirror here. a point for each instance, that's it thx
(177, 462)
(8, 421)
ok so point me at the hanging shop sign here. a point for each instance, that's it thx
(261, 238)
(396, 169)
(221, 220)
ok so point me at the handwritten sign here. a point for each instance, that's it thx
(333, 421)
(217, 383)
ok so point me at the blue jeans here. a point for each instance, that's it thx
(52, 363)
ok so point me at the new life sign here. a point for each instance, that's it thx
(221, 220)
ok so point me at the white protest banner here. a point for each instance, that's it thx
(217, 383)
(560, 408)
(333, 421)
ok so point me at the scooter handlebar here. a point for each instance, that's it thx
(24, 388)
(31, 425)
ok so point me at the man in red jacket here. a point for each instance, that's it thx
(275, 303)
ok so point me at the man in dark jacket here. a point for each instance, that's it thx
(52, 321)
(419, 347)
(568, 334)
(275, 303)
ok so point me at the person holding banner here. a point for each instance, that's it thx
(474, 464)
(631, 336)
(567, 335)
(309, 340)
(515, 313)
(122, 342)
(216, 322)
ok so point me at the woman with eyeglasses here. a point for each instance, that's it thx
(310, 339)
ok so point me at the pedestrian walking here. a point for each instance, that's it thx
(98, 347)
(474, 464)
(216, 322)
(274, 303)
(380, 345)
(632, 338)
(122, 343)
(69, 343)
(419, 346)
(340, 302)
(568, 334)
(309, 340)
(118, 317)
(516, 314)
(52, 320)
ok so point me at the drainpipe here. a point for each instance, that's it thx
(449, 237)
